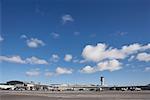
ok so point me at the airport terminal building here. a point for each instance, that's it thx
(31, 86)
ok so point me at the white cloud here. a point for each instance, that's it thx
(12, 59)
(61, 70)
(143, 57)
(67, 18)
(23, 36)
(34, 43)
(1, 38)
(145, 47)
(35, 60)
(94, 53)
(18, 59)
(75, 61)
(130, 49)
(54, 58)
(88, 69)
(101, 51)
(110, 65)
(82, 61)
(55, 35)
(68, 57)
(33, 72)
(147, 69)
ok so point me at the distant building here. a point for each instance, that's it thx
(15, 82)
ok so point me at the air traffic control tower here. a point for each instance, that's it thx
(102, 81)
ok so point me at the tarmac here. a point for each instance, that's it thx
(74, 95)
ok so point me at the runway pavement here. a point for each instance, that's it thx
(73, 95)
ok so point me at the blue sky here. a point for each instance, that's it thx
(75, 41)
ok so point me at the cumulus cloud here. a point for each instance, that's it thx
(143, 57)
(18, 59)
(12, 59)
(54, 58)
(130, 49)
(55, 35)
(33, 72)
(35, 60)
(107, 57)
(101, 51)
(67, 18)
(61, 70)
(68, 57)
(94, 53)
(110, 65)
(34, 43)
(88, 69)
